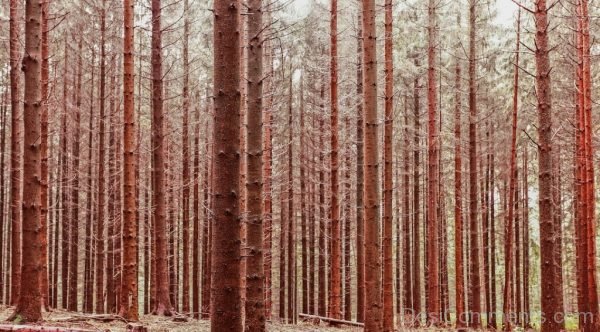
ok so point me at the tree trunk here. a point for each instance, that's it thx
(129, 289)
(29, 307)
(322, 307)
(186, 164)
(360, 225)
(99, 234)
(416, 291)
(551, 300)
(255, 299)
(44, 156)
(373, 313)
(388, 274)
(196, 237)
(225, 272)
(347, 229)
(64, 199)
(458, 206)
(267, 191)
(15, 153)
(335, 283)
(509, 228)
(475, 278)
(291, 230)
(433, 307)
(74, 240)
(162, 303)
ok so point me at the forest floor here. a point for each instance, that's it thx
(64, 319)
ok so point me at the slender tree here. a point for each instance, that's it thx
(128, 303)
(509, 229)
(458, 205)
(373, 313)
(186, 162)
(551, 300)
(388, 274)
(255, 308)
(360, 225)
(15, 153)
(29, 307)
(225, 272)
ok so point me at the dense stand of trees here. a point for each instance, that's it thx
(149, 166)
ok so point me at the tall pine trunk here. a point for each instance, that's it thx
(225, 272)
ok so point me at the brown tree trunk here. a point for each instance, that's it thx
(74, 225)
(3, 252)
(88, 302)
(433, 304)
(551, 300)
(526, 293)
(322, 307)
(416, 290)
(128, 303)
(196, 237)
(360, 225)
(388, 274)
(408, 265)
(29, 307)
(335, 283)
(303, 201)
(185, 206)
(15, 154)
(206, 232)
(225, 272)
(162, 303)
(291, 230)
(347, 230)
(458, 206)
(255, 299)
(99, 234)
(509, 228)
(474, 278)
(44, 157)
(64, 199)
(267, 191)
(373, 313)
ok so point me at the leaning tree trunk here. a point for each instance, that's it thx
(225, 307)
(29, 307)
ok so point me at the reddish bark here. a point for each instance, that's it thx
(162, 305)
(388, 274)
(255, 309)
(416, 240)
(74, 225)
(474, 277)
(267, 163)
(347, 230)
(335, 282)
(99, 234)
(128, 304)
(322, 307)
(432, 272)
(185, 206)
(373, 313)
(44, 156)
(360, 226)
(509, 228)
(225, 272)
(196, 237)
(551, 300)
(291, 230)
(64, 199)
(458, 206)
(303, 201)
(15, 154)
(408, 265)
(29, 307)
